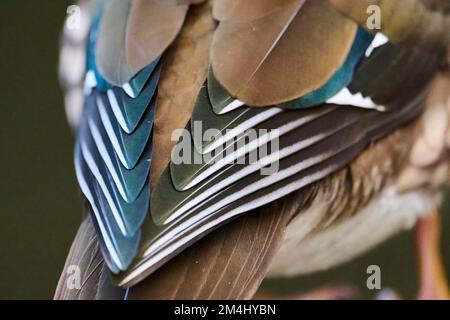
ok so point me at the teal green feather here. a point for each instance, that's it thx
(90, 54)
(129, 111)
(128, 182)
(139, 81)
(118, 250)
(113, 155)
(128, 147)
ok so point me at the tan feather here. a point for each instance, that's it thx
(283, 55)
(435, 123)
(412, 178)
(427, 165)
(244, 10)
(177, 2)
(134, 33)
(183, 73)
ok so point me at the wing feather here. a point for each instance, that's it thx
(275, 58)
(96, 281)
(132, 34)
(115, 149)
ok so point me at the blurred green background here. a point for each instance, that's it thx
(40, 207)
(39, 198)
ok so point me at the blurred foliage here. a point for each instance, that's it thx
(40, 206)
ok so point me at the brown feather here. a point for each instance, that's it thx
(96, 280)
(428, 160)
(177, 2)
(151, 23)
(243, 10)
(230, 263)
(435, 123)
(283, 55)
(183, 73)
(134, 33)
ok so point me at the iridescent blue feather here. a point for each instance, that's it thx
(113, 155)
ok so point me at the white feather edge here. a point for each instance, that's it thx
(346, 98)
(252, 145)
(88, 194)
(246, 207)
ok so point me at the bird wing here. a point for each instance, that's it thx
(223, 265)
(264, 71)
(136, 97)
